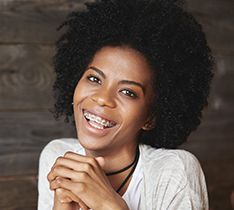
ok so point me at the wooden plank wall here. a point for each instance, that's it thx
(27, 36)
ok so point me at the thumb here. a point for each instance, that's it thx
(101, 161)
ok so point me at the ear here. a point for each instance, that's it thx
(149, 124)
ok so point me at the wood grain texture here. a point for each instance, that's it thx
(18, 193)
(29, 27)
(26, 77)
(213, 8)
(217, 20)
(34, 21)
(219, 33)
(22, 137)
(219, 177)
(37, 22)
(52, 4)
(27, 37)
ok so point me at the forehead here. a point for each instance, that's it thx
(122, 63)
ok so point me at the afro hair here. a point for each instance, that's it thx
(171, 40)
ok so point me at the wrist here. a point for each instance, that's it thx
(120, 205)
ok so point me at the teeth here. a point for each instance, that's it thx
(98, 120)
(95, 125)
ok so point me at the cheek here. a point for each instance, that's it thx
(78, 97)
(134, 116)
(79, 92)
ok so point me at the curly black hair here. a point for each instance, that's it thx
(171, 40)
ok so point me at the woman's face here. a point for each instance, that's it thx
(112, 99)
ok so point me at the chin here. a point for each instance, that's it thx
(94, 144)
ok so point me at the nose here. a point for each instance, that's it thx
(104, 97)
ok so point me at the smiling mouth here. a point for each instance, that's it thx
(97, 121)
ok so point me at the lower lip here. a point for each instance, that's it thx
(96, 131)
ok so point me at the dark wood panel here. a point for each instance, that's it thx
(213, 8)
(29, 26)
(37, 24)
(18, 193)
(223, 86)
(219, 33)
(22, 137)
(220, 197)
(26, 77)
(37, 4)
(224, 64)
(18, 4)
(219, 176)
(34, 21)
(216, 132)
(217, 20)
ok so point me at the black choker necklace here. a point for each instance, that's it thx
(125, 168)
(134, 164)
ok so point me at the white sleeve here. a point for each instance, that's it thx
(45, 195)
(187, 199)
(194, 195)
(182, 185)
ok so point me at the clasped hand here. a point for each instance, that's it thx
(80, 182)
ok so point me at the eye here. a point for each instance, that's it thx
(129, 93)
(94, 79)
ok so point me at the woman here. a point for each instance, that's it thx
(135, 75)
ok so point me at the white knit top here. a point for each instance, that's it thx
(169, 179)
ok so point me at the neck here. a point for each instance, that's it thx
(115, 159)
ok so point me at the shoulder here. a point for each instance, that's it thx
(173, 179)
(59, 147)
(176, 165)
(169, 158)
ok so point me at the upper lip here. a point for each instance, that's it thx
(100, 115)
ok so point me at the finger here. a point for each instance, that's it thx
(92, 166)
(62, 195)
(59, 171)
(76, 199)
(97, 164)
(75, 165)
(91, 194)
(65, 196)
(101, 161)
(81, 158)
(76, 176)
(54, 184)
(75, 187)
(70, 163)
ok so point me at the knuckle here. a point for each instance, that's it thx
(48, 176)
(68, 154)
(59, 160)
(83, 176)
(56, 169)
(92, 161)
(59, 191)
(88, 168)
(59, 180)
(80, 188)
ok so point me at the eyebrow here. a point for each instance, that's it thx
(129, 82)
(98, 71)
